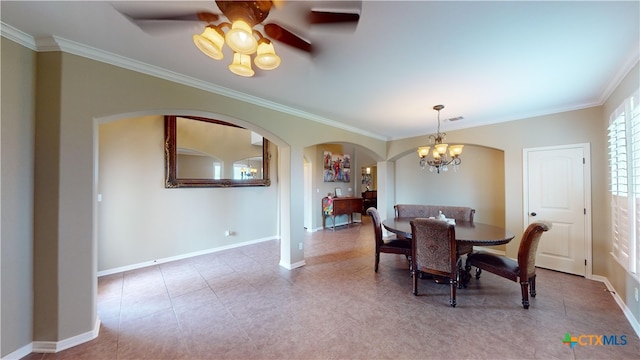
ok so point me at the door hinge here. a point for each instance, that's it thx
(585, 262)
(585, 211)
(584, 161)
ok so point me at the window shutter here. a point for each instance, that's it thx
(624, 182)
(618, 185)
(633, 119)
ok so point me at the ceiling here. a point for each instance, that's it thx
(487, 62)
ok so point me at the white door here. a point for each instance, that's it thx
(557, 189)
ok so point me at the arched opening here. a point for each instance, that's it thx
(139, 222)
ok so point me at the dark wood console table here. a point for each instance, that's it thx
(341, 206)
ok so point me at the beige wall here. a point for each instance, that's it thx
(81, 93)
(140, 221)
(478, 183)
(572, 127)
(580, 126)
(17, 127)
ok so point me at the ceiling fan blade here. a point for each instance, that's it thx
(167, 27)
(326, 17)
(278, 33)
(167, 24)
(199, 16)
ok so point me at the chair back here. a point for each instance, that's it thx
(434, 246)
(412, 210)
(460, 213)
(529, 247)
(377, 225)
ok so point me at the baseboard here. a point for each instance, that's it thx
(627, 313)
(292, 266)
(180, 257)
(56, 346)
(20, 353)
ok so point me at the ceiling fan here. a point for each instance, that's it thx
(243, 38)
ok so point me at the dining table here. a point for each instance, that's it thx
(468, 234)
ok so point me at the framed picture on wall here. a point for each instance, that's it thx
(337, 167)
(338, 192)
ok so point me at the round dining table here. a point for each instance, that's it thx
(469, 233)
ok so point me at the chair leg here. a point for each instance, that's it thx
(415, 281)
(478, 272)
(524, 285)
(532, 286)
(454, 286)
(462, 276)
(377, 261)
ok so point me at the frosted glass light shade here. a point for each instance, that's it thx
(240, 38)
(210, 42)
(455, 150)
(267, 58)
(441, 148)
(423, 151)
(241, 65)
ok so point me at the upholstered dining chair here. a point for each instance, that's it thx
(434, 252)
(392, 245)
(523, 270)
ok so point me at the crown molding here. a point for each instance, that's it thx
(17, 36)
(55, 43)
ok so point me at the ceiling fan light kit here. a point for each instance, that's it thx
(240, 36)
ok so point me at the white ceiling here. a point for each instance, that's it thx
(485, 61)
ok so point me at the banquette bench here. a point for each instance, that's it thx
(459, 213)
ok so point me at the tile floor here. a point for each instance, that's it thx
(239, 304)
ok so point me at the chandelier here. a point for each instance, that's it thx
(241, 37)
(439, 159)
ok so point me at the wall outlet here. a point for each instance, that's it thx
(300, 248)
(636, 294)
(227, 233)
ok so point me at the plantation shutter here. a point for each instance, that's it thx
(618, 185)
(624, 182)
(632, 110)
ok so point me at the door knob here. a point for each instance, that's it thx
(533, 214)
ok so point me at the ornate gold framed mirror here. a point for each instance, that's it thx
(202, 152)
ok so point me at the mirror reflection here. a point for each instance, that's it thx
(211, 153)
